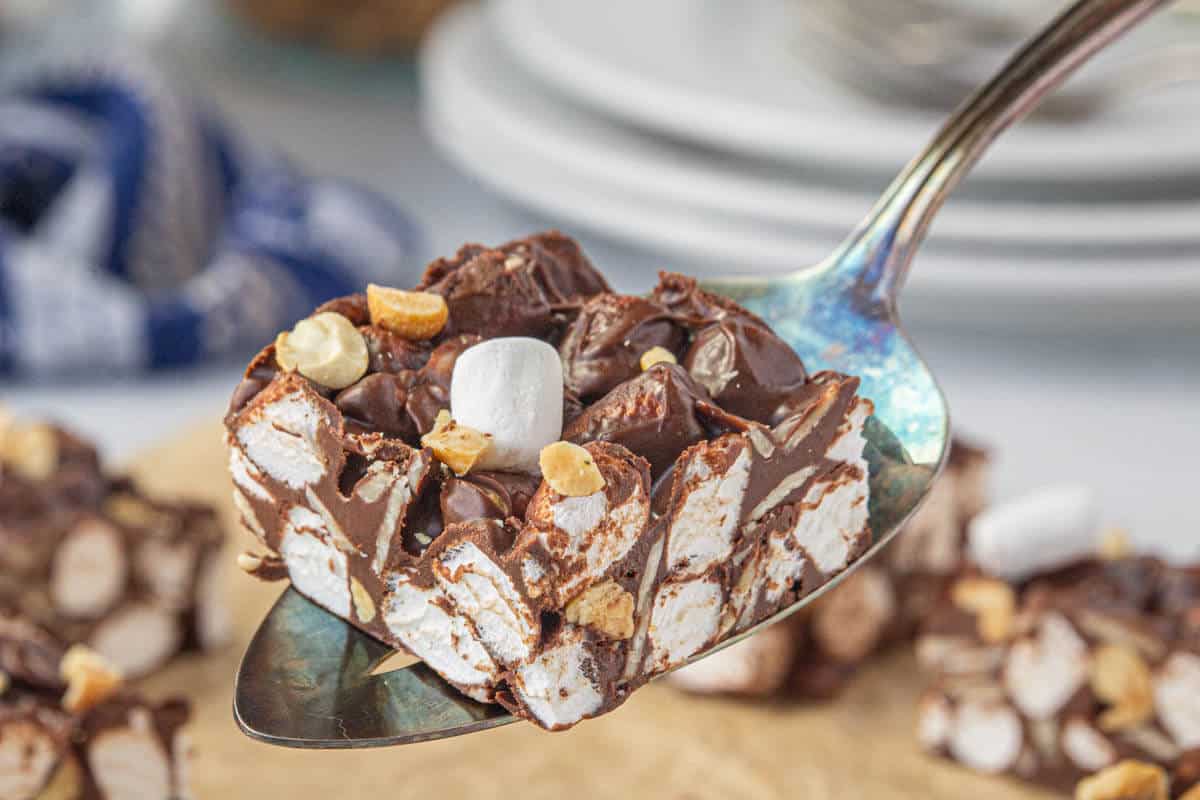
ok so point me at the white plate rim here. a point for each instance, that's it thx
(716, 240)
(448, 79)
(766, 132)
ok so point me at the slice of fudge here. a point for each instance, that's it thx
(69, 730)
(548, 492)
(96, 560)
(1068, 672)
(815, 653)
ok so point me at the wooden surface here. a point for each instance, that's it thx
(660, 744)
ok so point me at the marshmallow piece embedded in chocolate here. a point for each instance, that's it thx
(1043, 530)
(419, 618)
(558, 688)
(570, 542)
(486, 595)
(512, 389)
(986, 737)
(1177, 698)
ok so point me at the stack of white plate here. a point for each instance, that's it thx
(692, 128)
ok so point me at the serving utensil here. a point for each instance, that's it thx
(308, 678)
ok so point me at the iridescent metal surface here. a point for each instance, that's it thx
(306, 678)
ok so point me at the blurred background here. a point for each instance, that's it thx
(1058, 298)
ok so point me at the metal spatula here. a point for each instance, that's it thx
(306, 680)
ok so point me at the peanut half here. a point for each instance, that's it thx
(30, 450)
(655, 355)
(570, 470)
(994, 604)
(606, 607)
(90, 678)
(456, 446)
(1114, 545)
(1121, 678)
(325, 348)
(1125, 780)
(413, 315)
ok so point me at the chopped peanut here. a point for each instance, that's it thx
(570, 470)
(606, 607)
(1121, 678)
(992, 601)
(656, 354)
(456, 446)
(413, 315)
(1125, 780)
(1114, 545)
(90, 678)
(30, 450)
(325, 348)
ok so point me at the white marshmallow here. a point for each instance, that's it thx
(1043, 530)
(511, 388)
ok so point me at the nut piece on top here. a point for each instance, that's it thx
(325, 348)
(1127, 780)
(993, 602)
(457, 446)
(414, 315)
(570, 470)
(90, 678)
(512, 390)
(29, 449)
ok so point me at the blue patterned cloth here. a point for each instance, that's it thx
(137, 232)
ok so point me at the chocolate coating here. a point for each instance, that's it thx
(353, 307)
(378, 402)
(605, 343)
(517, 289)
(404, 403)
(657, 415)
(748, 370)
(486, 495)
(259, 374)
(684, 298)
(432, 392)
